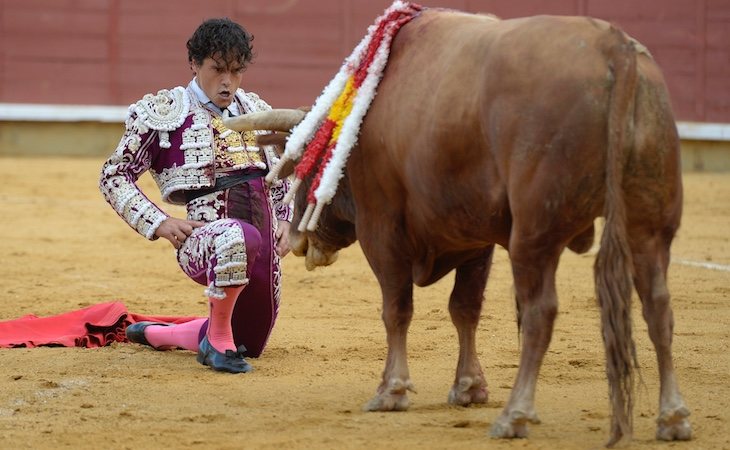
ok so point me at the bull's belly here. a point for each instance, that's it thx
(441, 253)
(430, 270)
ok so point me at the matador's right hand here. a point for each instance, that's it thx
(177, 230)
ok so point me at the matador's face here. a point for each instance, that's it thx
(219, 79)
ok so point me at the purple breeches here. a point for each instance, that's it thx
(236, 248)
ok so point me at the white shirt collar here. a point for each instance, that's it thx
(204, 100)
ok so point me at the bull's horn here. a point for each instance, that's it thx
(275, 120)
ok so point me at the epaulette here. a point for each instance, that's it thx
(164, 111)
(257, 102)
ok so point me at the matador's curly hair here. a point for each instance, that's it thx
(220, 38)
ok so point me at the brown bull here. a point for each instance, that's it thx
(518, 133)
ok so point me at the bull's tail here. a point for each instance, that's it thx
(613, 267)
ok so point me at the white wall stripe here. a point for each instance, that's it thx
(31, 112)
(23, 112)
(702, 264)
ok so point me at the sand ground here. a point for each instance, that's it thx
(63, 248)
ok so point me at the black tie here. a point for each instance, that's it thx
(225, 112)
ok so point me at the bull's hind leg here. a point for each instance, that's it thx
(397, 290)
(651, 258)
(533, 268)
(465, 306)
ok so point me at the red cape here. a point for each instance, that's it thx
(95, 326)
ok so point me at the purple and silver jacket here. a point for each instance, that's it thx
(185, 147)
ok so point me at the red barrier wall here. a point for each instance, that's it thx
(113, 51)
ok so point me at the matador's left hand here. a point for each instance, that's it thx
(282, 238)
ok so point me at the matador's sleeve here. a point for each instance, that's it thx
(120, 172)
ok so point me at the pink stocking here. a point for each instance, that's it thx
(220, 333)
(184, 335)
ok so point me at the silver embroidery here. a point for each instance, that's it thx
(207, 208)
(165, 111)
(197, 172)
(220, 245)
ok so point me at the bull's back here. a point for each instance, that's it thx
(479, 123)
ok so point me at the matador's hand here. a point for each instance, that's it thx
(282, 238)
(177, 230)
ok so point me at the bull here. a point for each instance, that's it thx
(518, 133)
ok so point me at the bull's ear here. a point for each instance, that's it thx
(287, 169)
(276, 140)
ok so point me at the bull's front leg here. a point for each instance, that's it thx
(392, 394)
(465, 305)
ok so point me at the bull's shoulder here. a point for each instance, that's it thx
(164, 111)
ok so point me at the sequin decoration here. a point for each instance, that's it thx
(235, 150)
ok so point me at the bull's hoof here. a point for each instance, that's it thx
(394, 397)
(382, 402)
(468, 390)
(673, 425)
(512, 425)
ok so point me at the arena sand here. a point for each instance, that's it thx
(63, 248)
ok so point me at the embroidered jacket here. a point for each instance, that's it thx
(183, 145)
